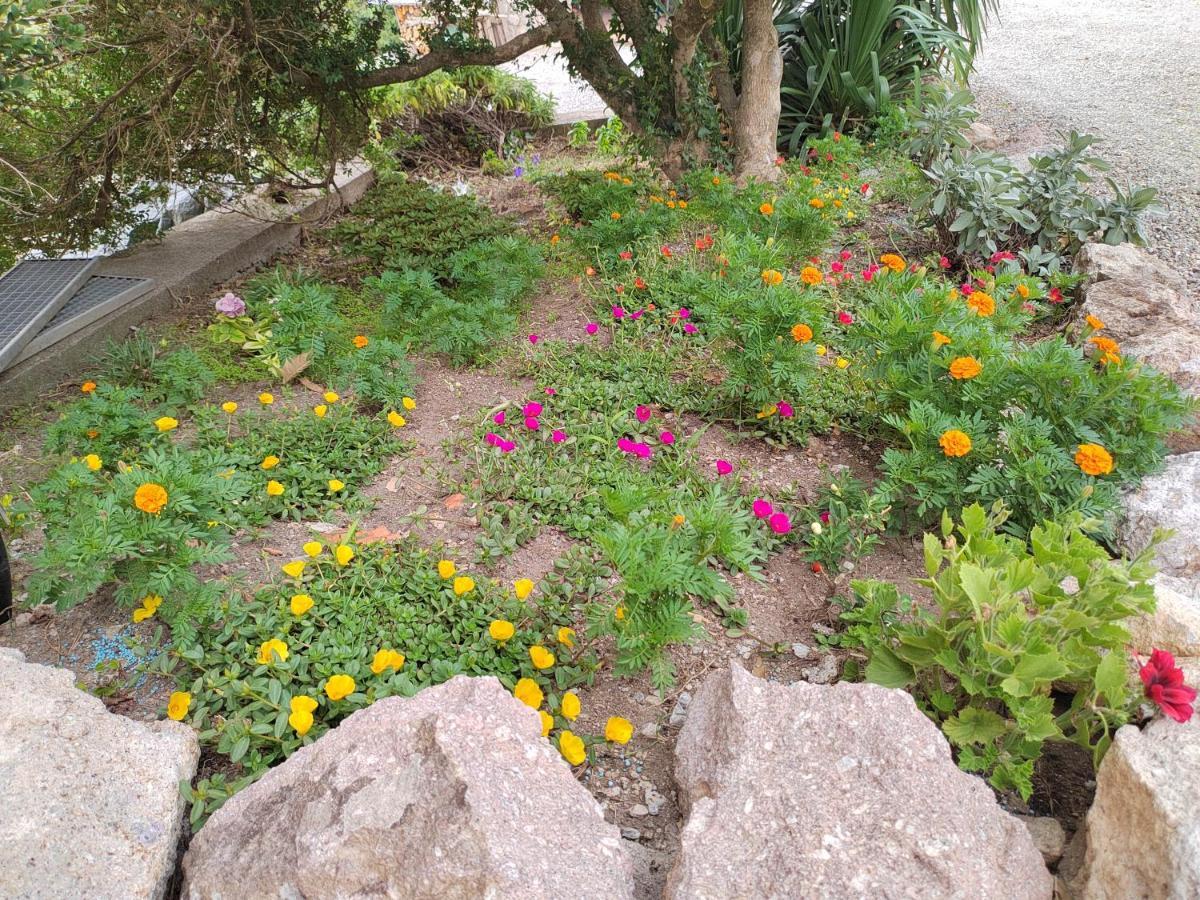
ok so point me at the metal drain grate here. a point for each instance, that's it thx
(30, 294)
(101, 295)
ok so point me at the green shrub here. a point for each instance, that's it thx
(1008, 633)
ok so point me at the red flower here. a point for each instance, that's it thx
(1165, 688)
(666, 251)
(1056, 295)
(864, 188)
(816, 567)
(626, 254)
(944, 262)
(639, 283)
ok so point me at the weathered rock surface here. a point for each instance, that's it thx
(89, 801)
(1048, 836)
(1174, 625)
(449, 794)
(981, 136)
(828, 792)
(1170, 500)
(1145, 307)
(1143, 836)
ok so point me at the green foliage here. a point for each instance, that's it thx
(611, 138)
(1013, 625)
(472, 85)
(32, 32)
(579, 135)
(613, 209)
(112, 422)
(847, 524)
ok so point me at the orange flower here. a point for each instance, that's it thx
(801, 333)
(893, 262)
(981, 303)
(150, 498)
(772, 277)
(1023, 290)
(1110, 350)
(1093, 459)
(360, 341)
(766, 209)
(816, 203)
(1096, 323)
(811, 275)
(964, 368)
(939, 339)
(955, 443)
(88, 387)
(614, 216)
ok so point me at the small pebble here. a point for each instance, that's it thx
(638, 811)
(631, 834)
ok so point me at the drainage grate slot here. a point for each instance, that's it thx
(101, 295)
(30, 295)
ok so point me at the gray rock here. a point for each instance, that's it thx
(639, 811)
(452, 793)
(654, 800)
(679, 713)
(801, 651)
(1169, 500)
(631, 834)
(89, 801)
(824, 672)
(1048, 836)
(981, 136)
(1174, 625)
(803, 791)
(649, 730)
(1143, 831)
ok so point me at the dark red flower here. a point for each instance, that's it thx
(1165, 688)
(626, 254)
(944, 262)
(1056, 295)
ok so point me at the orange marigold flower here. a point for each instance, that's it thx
(982, 303)
(772, 277)
(1093, 459)
(955, 443)
(150, 498)
(88, 387)
(360, 341)
(811, 275)
(1095, 323)
(801, 333)
(893, 262)
(965, 367)
(1023, 290)
(766, 209)
(940, 339)
(816, 203)
(614, 216)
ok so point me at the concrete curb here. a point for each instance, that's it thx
(186, 264)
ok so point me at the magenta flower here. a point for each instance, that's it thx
(785, 410)
(618, 312)
(667, 438)
(558, 436)
(498, 418)
(780, 523)
(550, 392)
(637, 315)
(593, 327)
(825, 516)
(641, 451)
(531, 423)
(689, 328)
(845, 318)
(507, 446)
(846, 254)
(491, 438)
(625, 445)
(684, 312)
(762, 508)
(533, 409)
(642, 413)
(723, 467)
(231, 305)
(837, 268)
(533, 339)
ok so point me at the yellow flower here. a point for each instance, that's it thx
(822, 350)
(766, 209)
(716, 180)
(463, 584)
(266, 399)
(301, 718)
(269, 462)
(396, 420)
(501, 630)
(618, 730)
(303, 703)
(339, 687)
(1094, 322)
(269, 650)
(360, 341)
(294, 569)
(842, 362)
(772, 277)
(336, 485)
(274, 489)
(892, 261)
(566, 636)
(677, 520)
(939, 339)
(570, 706)
(177, 706)
(152, 602)
(88, 387)
(320, 410)
(522, 587)
(166, 423)
(446, 568)
(312, 548)
(767, 411)
(811, 275)
(408, 403)
(330, 397)
(1093, 460)
(93, 462)
(229, 406)
(301, 603)
(571, 747)
(547, 722)
(343, 554)
(619, 614)
(541, 657)
(528, 692)
(150, 498)
(964, 368)
(387, 659)
(141, 614)
(955, 443)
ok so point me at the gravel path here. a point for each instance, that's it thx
(1125, 70)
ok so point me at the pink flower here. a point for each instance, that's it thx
(558, 436)
(836, 268)
(723, 467)
(845, 255)
(642, 413)
(944, 262)
(641, 451)
(684, 312)
(966, 289)
(533, 339)
(868, 273)
(637, 315)
(550, 392)
(533, 409)
(667, 438)
(498, 418)
(625, 445)
(825, 516)
(1164, 686)
(1056, 295)
(231, 305)
(491, 438)
(618, 312)
(762, 509)
(689, 328)
(845, 318)
(780, 523)
(785, 410)
(507, 446)
(1029, 308)
(591, 327)
(531, 423)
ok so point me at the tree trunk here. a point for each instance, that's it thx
(756, 121)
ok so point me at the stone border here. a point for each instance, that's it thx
(188, 262)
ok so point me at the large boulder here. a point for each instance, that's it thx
(453, 793)
(1168, 500)
(835, 791)
(1143, 831)
(1145, 307)
(89, 801)
(1174, 625)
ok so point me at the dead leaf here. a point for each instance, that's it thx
(376, 535)
(391, 485)
(294, 366)
(759, 668)
(312, 385)
(454, 501)
(271, 551)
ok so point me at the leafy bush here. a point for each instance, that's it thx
(1014, 626)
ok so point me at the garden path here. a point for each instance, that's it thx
(1125, 70)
